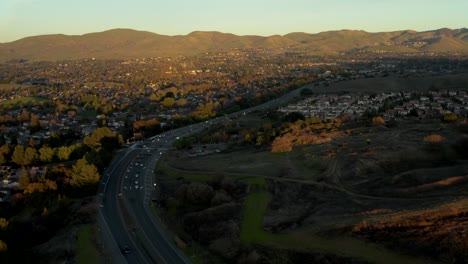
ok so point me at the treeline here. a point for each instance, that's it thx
(20, 155)
(50, 180)
(280, 134)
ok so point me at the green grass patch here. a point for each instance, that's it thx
(88, 114)
(193, 176)
(23, 101)
(257, 181)
(208, 175)
(86, 251)
(252, 222)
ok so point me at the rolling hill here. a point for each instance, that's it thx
(128, 43)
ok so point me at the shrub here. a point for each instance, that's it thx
(434, 138)
(377, 121)
(450, 117)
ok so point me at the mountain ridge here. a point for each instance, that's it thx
(123, 43)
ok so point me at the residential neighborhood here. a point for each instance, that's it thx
(433, 104)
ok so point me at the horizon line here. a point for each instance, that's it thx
(217, 31)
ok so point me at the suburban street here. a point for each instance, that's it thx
(131, 233)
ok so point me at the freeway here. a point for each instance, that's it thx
(125, 193)
(130, 231)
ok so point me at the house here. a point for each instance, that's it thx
(424, 99)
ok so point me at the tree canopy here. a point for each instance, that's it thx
(84, 174)
(102, 132)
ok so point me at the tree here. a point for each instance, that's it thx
(64, 153)
(18, 155)
(293, 117)
(153, 97)
(42, 186)
(5, 150)
(3, 224)
(24, 116)
(30, 156)
(168, 102)
(413, 112)
(184, 143)
(98, 134)
(35, 125)
(24, 179)
(54, 140)
(181, 102)
(450, 117)
(306, 92)
(282, 144)
(60, 174)
(434, 138)
(204, 111)
(377, 121)
(40, 194)
(3, 246)
(171, 94)
(199, 193)
(46, 154)
(84, 174)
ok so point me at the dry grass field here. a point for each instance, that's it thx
(375, 190)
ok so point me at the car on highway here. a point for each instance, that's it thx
(125, 250)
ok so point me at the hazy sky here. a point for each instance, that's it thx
(21, 18)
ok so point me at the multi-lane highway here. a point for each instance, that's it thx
(125, 195)
(130, 231)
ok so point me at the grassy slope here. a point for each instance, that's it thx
(86, 252)
(126, 43)
(252, 222)
(252, 231)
